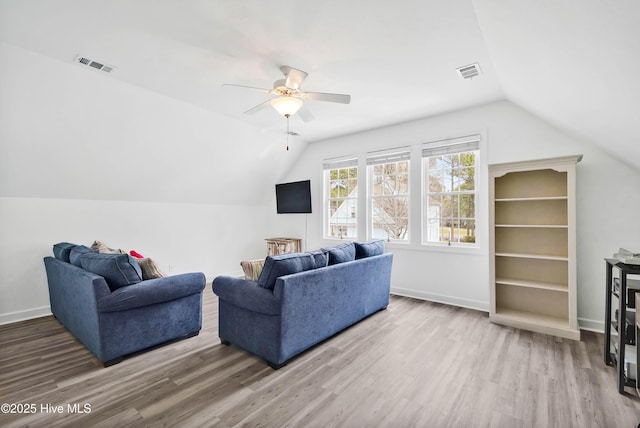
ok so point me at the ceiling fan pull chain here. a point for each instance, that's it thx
(287, 116)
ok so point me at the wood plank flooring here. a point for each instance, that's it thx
(417, 364)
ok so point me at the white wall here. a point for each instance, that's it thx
(606, 201)
(180, 237)
(84, 157)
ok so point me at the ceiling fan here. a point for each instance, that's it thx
(289, 100)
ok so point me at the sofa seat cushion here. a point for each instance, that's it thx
(286, 264)
(368, 249)
(62, 251)
(341, 253)
(119, 270)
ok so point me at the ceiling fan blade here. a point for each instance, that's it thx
(259, 107)
(294, 76)
(305, 114)
(322, 96)
(268, 91)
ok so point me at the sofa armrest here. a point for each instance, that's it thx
(246, 294)
(153, 291)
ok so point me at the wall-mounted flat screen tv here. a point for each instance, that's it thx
(294, 198)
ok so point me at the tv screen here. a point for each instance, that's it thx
(294, 198)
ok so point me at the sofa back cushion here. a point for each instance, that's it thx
(341, 253)
(321, 258)
(62, 251)
(119, 270)
(368, 249)
(77, 252)
(286, 264)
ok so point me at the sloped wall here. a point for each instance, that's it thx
(84, 156)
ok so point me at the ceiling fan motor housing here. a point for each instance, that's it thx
(280, 88)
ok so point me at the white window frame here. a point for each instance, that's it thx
(448, 147)
(380, 158)
(352, 200)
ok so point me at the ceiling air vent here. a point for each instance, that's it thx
(94, 64)
(469, 71)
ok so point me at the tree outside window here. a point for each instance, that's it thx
(450, 198)
(389, 200)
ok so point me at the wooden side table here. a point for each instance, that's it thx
(283, 245)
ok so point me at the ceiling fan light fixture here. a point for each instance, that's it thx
(286, 106)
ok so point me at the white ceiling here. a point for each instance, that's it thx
(569, 62)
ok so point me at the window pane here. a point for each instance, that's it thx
(450, 195)
(467, 206)
(389, 200)
(468, 231)
(341, 214)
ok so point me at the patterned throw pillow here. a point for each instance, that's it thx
(100, 247)
(149, 269)
(252, 269)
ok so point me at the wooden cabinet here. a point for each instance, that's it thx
(277, 246)
(533, 245)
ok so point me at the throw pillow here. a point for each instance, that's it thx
(341, 253)
(368, 249)
(119, 270)
(284, 264)
(136, 254)
(100, 247)
(62, 251)
(252, 269)
(77, 252)
(149, 269)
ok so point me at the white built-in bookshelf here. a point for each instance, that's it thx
(533, 245)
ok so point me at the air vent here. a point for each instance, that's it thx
(469, 71)
(94, 64)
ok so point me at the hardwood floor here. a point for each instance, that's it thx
(417, 364)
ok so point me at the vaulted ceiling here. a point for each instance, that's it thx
(569, 62)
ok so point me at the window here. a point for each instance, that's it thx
(341, 197)
(450, 191)
(389, 196)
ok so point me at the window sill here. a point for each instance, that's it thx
(475, 250)
(406, 246)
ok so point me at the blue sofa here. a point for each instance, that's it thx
(302, 299)
(114, 312)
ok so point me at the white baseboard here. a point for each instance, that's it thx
(596, 326)
(442, 298)
(28, 314)
(591, 325)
